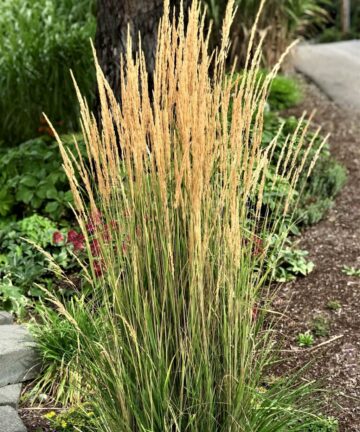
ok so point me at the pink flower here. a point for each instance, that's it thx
(57, 237)
(258, 248)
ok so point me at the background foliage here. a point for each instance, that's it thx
(40, 40)
(282, 20)
(32, 180)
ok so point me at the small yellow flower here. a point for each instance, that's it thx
(261, 389)
(50, 415)
(63, 424)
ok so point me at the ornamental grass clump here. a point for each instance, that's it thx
(170, 204)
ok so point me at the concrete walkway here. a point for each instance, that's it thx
(335, 68)
(18, 363)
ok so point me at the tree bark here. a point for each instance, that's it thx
(113, 19)
(345, 16)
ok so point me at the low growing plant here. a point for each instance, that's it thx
(290, 263)
(305, 339)
(61, 377)
(320, 326)
(77, 418)
(334, 305)
(324, 424)
(319, 189)
(351, 271)
(24, 265)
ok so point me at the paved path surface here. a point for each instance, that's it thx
(335, 68)
(18, 363)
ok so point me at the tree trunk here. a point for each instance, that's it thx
(113, 18)
(345, 16)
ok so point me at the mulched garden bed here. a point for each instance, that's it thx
(332, 243)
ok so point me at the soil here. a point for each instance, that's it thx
(34, 420)
(332, 244)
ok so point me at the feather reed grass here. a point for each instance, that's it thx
(170, 202)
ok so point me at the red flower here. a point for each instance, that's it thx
(95, 248)
(72, 236)
(76, 239)
(78, 245)
(57, 237)
(98, 268)
(90, 227)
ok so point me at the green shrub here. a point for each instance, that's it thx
(319, 189)
(33, 180)
(40, 40)
(332, 34)
(285, 92)
(322, 187)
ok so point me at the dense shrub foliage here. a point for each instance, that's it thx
(333, 31)
(32, 180)
(40, 40)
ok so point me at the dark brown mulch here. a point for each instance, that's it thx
(332, 243)
(34, 420)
